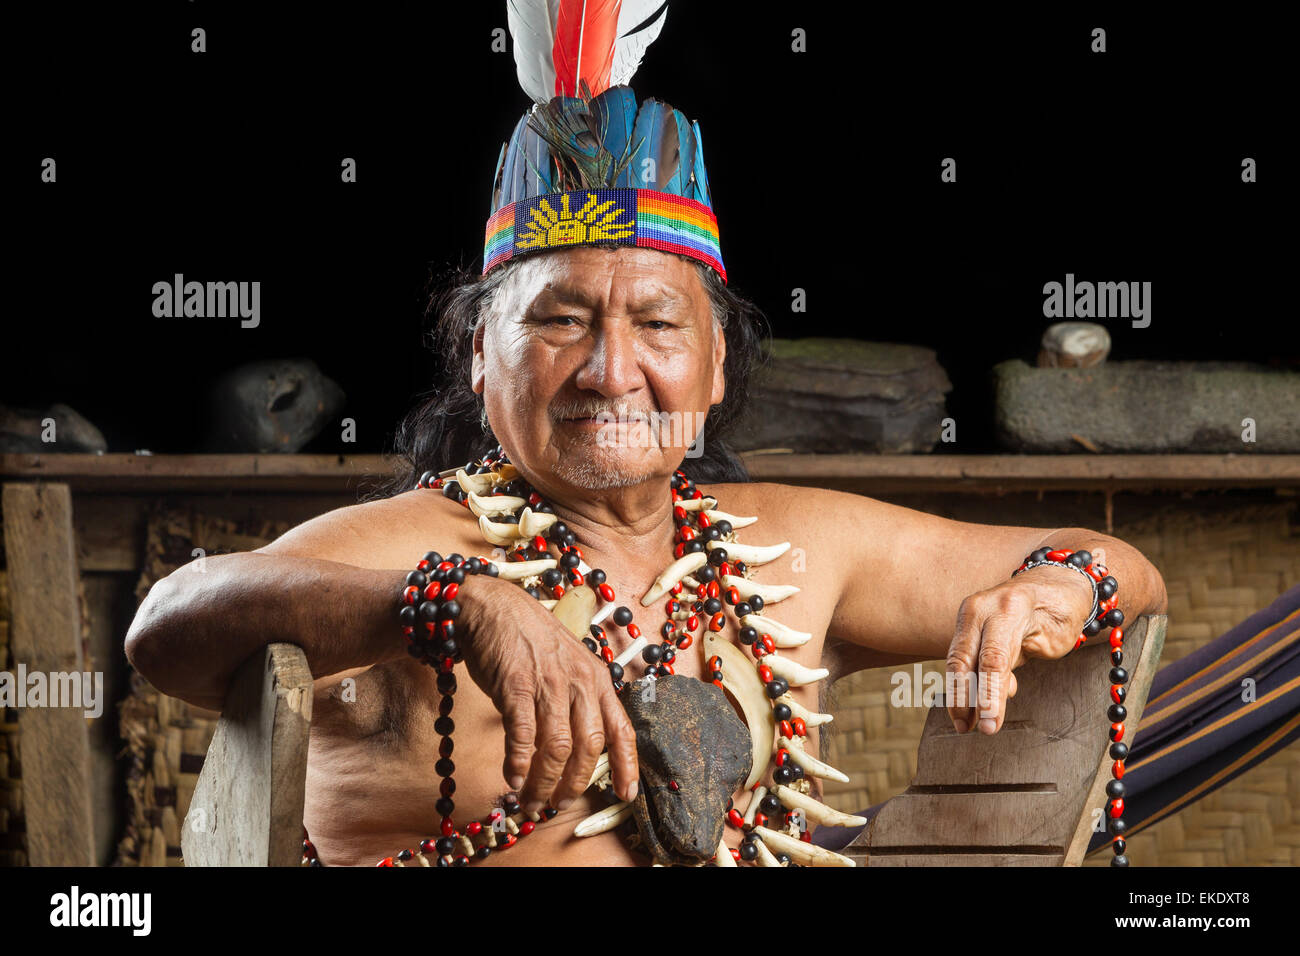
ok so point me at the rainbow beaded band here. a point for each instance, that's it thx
(602, 217)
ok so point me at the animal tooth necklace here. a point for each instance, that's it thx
(715, 568)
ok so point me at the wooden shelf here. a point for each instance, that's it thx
(339, 474)
(1004, 473)
(117, 473)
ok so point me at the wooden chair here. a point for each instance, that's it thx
(1031, 794)
(1026, 796)
(247, 806)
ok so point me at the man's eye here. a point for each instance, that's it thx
(658, 324)
(557, 319)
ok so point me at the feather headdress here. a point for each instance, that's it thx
(585, 165)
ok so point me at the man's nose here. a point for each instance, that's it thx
(612, 366)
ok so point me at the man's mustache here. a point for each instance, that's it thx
(616, 413)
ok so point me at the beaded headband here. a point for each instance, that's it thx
(621, 217)
(585, 165)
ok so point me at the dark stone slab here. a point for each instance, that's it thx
(1147, 406)
(21, 431)
(825, 395)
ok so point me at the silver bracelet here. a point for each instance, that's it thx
(1096, 599)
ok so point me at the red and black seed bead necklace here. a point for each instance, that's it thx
(428, 621)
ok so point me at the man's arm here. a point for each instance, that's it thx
(920, 587)
(198, 624)
(315, 587)
(907, 572)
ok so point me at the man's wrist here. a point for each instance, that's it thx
(475, 599)
(1086, 581)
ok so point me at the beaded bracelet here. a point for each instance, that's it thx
(1104, 614)
(429, 597)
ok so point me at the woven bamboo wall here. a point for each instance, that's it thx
(1220, 565)
(12, 843)
(166, 738)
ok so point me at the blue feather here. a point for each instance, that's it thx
(702, 193)
(615, 112)
(681, 184)
(512, 177)
(647, 138)
(569, 115)
(495, 203)
(537, 165)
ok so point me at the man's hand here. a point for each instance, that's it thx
(1037, 613)
(552, 693)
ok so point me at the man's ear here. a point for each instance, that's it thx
(478, 368)
(719, 362)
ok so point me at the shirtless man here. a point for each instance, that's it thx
(573, 333)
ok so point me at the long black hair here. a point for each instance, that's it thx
(449, 426)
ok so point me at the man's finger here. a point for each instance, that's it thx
(554, 745)
(588, 744)
(517, 712)
(962, 657)
(620, 741)
(999, 648)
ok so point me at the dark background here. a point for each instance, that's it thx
(224, 166)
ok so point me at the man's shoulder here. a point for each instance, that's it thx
(790, 511)
(374, 533)
(771, 495)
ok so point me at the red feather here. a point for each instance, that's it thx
(585, 31)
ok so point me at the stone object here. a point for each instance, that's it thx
(24, 430)
(1147, 406)
(826, 395)
(693, 752)
(272, 406)
(1073, 345)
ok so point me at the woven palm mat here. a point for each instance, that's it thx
(13, 828)
(166, 738)
(13, 850)
(1218, 569)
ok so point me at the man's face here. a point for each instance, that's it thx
(584, 331)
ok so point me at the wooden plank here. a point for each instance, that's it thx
(1050, 732)
(966, 859)
(46, 638)
(1033, 784)
(1143, 644)
(221, 473)
(874, 474)
(879, 474)
(247, 806)
(1012, 821)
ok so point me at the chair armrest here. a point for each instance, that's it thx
(1030, 794)
(247, 806)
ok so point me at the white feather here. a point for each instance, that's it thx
(532, 28)
(628, 51)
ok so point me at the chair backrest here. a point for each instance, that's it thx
(247, 805)
(1031, 794)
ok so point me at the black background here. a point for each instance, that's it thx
(224, 166)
